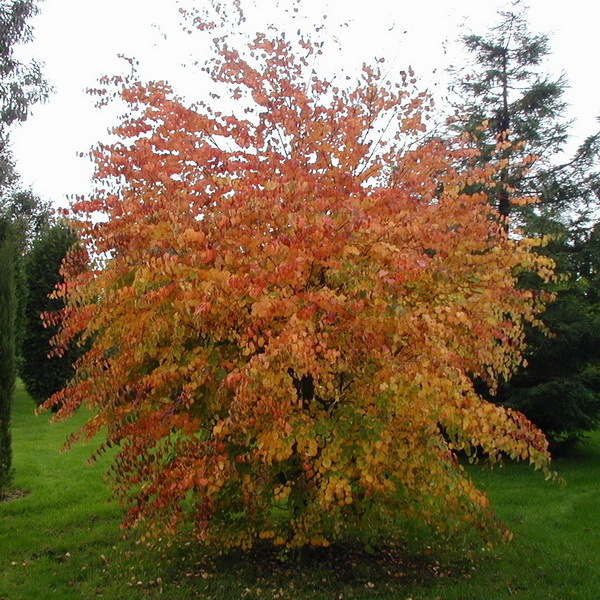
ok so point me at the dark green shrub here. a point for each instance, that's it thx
(560, 389)
(41, 374)
(7, 346)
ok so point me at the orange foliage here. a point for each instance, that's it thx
(286, 314)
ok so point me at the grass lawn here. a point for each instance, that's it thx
(62, 540)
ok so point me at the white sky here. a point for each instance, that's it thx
(78, 41)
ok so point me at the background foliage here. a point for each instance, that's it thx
(43, 375)
(20, 86)
(515, 110)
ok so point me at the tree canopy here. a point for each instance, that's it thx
(285, 311)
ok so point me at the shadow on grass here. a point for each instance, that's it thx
(346, 569)
(9, 495)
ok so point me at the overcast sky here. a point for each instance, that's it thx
(78, 41)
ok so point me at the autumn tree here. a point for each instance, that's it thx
(286, 308)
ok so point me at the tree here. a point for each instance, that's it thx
(20, 86)
(43, 375)
(29, 217)
(30, 214)
(513, 111)
(7, 348)
(284, 311)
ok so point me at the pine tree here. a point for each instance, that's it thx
(512, 109)
(513, 112)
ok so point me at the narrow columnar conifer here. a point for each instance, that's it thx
(7, 348)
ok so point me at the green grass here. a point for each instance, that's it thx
(62, 540)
